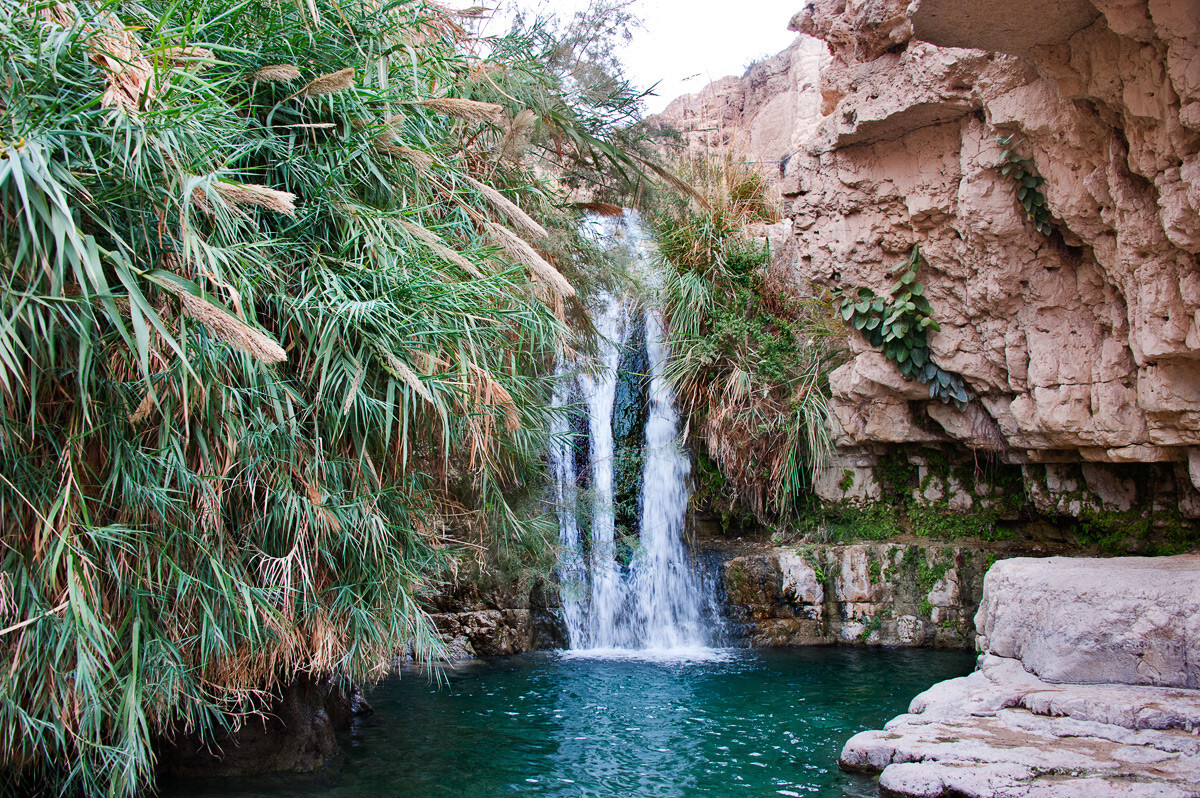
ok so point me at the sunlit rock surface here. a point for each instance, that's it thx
(1082, 345)
(1084, 688)
(767, 114)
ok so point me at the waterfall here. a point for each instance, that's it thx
(627, 578)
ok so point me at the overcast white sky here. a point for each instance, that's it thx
(685, 44)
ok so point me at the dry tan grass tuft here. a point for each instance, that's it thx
(276, 73)
(520, 251)
(330, 83)
(227, 327)
(439, 247)
(252, 194)
(601, 208)
(418, 158)
(510, 210)
(130, 76)
(195, 58)
(470, 110)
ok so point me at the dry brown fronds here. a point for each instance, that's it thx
(600, 208)
(520, 251)
(276, 73)
(510, 210)
(330, 83)
(426, 363)
(418, 158)
(56, 14)
(195, 58)
(252, 194)
(516, 139)
(130, 76)
(439, 247)
(142, 412)
(470, 110)
(489, 392)
(227, 327)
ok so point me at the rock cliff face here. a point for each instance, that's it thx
(1086, 686)
(767, 114)
(1082, 345)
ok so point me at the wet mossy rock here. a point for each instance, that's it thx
(940, 493)
(901, 594)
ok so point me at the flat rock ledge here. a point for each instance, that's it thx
(1005, 731)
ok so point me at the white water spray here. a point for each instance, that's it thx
(655, 599)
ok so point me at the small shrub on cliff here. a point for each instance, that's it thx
(1027, 185)
(899, 323)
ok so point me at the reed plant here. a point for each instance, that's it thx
(263, 369)
(751, 350)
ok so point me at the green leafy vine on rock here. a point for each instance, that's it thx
(1024, 175)
(899, 322)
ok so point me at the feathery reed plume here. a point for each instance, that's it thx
(276, 73)
(470, 110)
(509, 209)
(399, 369)
(195, 58)
(600, 208)
(252, 194)
(225, 326)
(330, 83)
(438, 246)
(418, 158)
(520, 251)
(516, 138)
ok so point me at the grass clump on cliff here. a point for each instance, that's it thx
(276, 299)
(751, 350)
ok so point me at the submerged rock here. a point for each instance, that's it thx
(1061, 705)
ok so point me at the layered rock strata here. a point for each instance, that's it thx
(1086, 686)
(1081, 346)
(910, 594)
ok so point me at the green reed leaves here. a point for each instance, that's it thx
(261, 365)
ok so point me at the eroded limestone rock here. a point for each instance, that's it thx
(1084, 342)
(1062, 703)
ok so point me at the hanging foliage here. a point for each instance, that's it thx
(899, 323)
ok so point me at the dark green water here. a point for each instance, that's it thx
(753, 723)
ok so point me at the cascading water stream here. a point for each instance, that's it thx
(631, 585)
